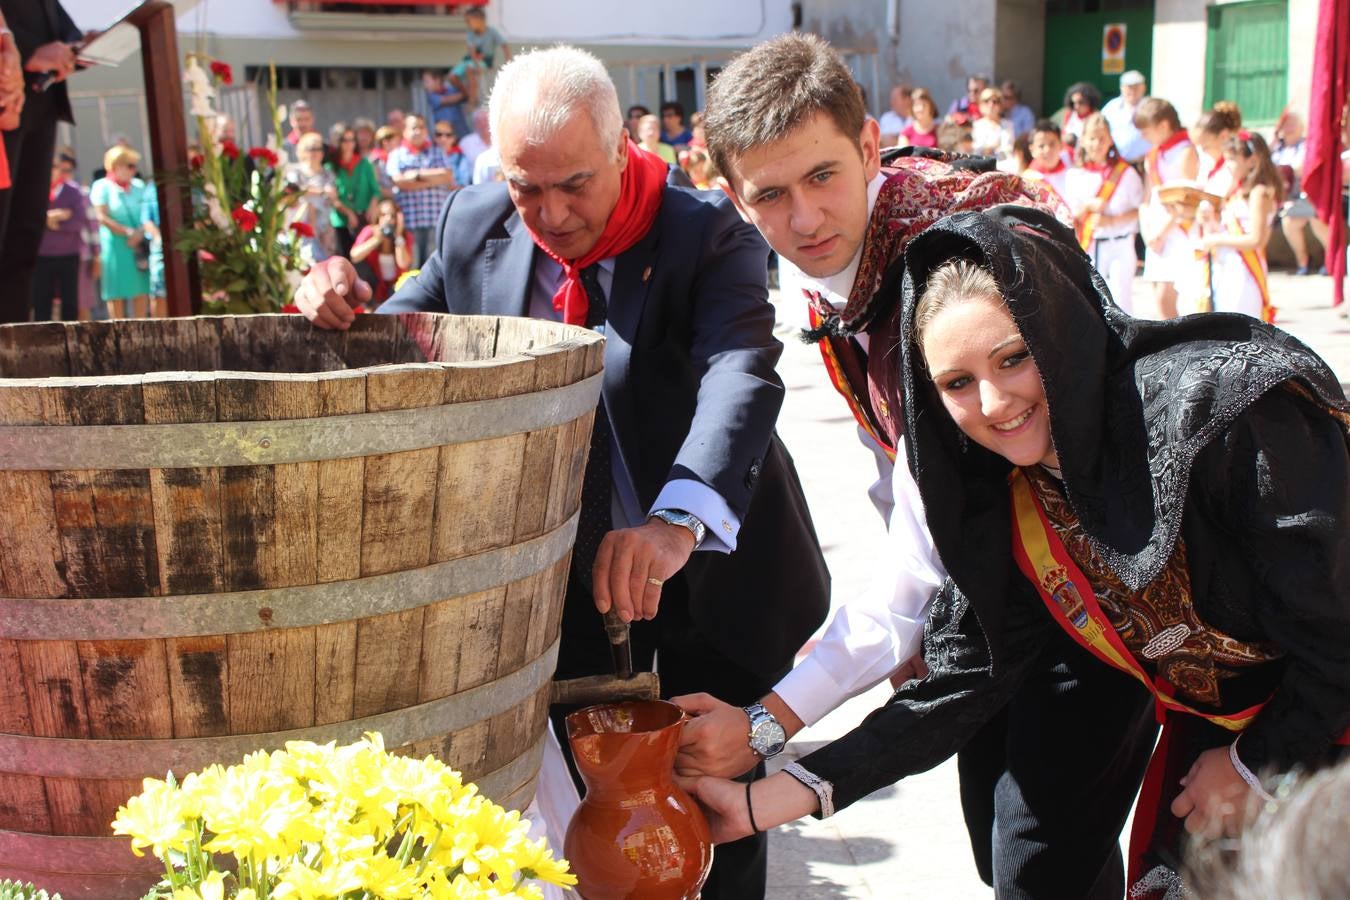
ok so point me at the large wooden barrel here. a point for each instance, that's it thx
(220, 534)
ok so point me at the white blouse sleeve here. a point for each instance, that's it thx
(872, 633)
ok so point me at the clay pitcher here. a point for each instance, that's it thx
(636, 834)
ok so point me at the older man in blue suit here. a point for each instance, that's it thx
(684, 458)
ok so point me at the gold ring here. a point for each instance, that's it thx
(655, 581)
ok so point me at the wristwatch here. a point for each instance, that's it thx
(767, 737)
(684, 520)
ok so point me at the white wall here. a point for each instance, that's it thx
(698, 22)
(1179, 37)
(1302, 47)
(942, 43)
(690, 22)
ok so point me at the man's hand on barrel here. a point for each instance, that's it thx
(329, 293)
(633, 563)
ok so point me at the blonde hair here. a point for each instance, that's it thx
(953, 282)
(118, 155)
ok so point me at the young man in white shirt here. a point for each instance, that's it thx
(812, 182)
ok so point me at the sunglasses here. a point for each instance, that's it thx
(349, 140)
(448, 134)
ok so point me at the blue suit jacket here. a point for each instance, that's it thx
(690, 386)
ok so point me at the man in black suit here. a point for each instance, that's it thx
(43, 33)
(585, 226)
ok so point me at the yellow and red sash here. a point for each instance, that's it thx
(1072, 602)
(1104, 193)
(1255, 261)
(1152, 160)
(835, 369)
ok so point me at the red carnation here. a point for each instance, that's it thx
(264, 154)
(247, 220)
(222, 71)
(229, 149)
(303, 229)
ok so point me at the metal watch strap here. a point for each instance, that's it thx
(683, 519)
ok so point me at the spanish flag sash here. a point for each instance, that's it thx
(1072, 602)
(1153, 160)
(1255, 261)
(1110, 181)
(834, 368)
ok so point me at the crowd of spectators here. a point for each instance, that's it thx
(375, 192)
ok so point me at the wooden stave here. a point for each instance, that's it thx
(552, 364)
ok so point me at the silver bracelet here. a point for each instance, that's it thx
(823, 790)
(1246, 774)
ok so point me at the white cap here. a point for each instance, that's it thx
(1131, 78)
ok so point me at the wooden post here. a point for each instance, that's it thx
(168, 148)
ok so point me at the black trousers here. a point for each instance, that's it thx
(23, 208)
(57, 276)
(1046, 786)
(687, 664)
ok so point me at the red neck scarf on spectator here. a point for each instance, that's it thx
(1097, 167)
(350, 165)
(124, 185)
(55, 189)
(1057, 167)
(640, 192)
(413, 148)
(1176, 138)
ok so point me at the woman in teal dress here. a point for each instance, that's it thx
(119, 202)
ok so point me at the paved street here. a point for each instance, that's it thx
(909, 840)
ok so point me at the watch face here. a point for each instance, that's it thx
(768, 738)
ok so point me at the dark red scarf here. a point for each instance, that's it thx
(1059, 167)
(640, 191)
(413, 148)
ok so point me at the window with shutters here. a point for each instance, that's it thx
(1248, 58)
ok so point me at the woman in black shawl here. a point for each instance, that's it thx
(1172, 496)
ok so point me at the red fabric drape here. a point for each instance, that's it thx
(1322, 177)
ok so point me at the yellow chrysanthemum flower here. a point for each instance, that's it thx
(317, 821)
(154, 818)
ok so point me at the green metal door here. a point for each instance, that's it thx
(1248, 58)
(1073, 45)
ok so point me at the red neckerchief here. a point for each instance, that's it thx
(350, 167)
(1218, 164)
(1059, 167)
(1094, 167)
(640, 192)
(55, 189)
(407, 145)
(124, 185)
(1176, 138)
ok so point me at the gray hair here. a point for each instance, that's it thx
(544, 89)
(1295, 848)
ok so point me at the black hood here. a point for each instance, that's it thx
(1131, 401)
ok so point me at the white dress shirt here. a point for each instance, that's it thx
(873, 633)
(711, 508)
